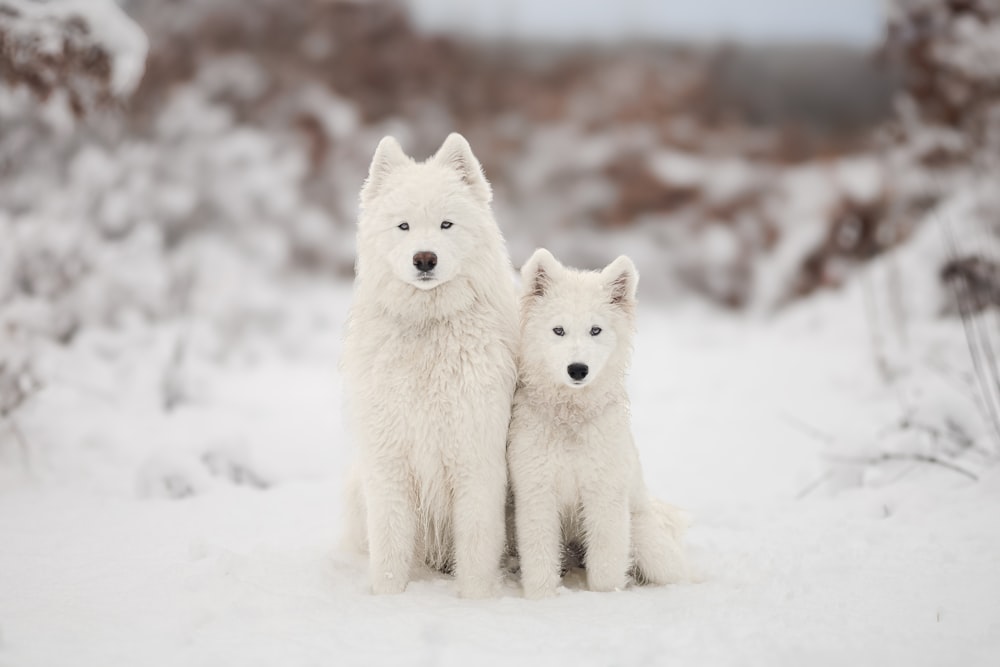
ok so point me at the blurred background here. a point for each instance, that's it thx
(196, 163)
(809, 191)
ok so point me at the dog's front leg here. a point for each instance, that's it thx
(480, 526)
(606, 527)
(391, 527)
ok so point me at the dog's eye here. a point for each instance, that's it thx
(404, 226)
(559, 331)
(595, 331)
(446, 224)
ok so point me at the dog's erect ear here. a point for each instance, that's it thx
(388, 157)
(621, 279)
(538, 272)
(456, 153)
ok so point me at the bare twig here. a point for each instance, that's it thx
(972, 337)
(918, 458)
(875, 326)
(808, 429)
(813, 485)
(956, 379)
(21, 441)
(954, 433)
(897, 307)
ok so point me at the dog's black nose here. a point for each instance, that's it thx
(425, 261)
(577, 371)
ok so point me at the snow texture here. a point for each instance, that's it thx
(205, 533)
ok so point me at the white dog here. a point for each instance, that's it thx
(573, 465)
(429, 370)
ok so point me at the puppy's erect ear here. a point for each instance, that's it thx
(538, 272)
(456, 153)
(388, 157)
(620, 280)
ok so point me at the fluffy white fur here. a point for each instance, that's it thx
(573, 464)
(429, 371)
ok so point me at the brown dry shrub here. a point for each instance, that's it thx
(79, 67)
(857, 231)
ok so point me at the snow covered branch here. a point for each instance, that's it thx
(89, 49)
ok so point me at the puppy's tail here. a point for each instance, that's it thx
(658, 544)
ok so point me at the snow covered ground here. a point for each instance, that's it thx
(180, 505)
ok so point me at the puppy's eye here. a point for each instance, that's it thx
(404, 226)
(559, 331)
(446, 224)
(594, 331)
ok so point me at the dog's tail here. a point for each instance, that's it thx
(658, 544)
(355, 534)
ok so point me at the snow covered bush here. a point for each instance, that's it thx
(931, 304)
(88, 51)
(73, 57)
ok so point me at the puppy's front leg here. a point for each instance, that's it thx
(539, 537)
(391, 527)
(606, 527)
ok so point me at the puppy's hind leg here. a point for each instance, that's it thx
(657, 532)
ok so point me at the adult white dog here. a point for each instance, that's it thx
(573, 465)
(429, 370)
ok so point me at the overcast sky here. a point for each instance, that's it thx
(851, 21)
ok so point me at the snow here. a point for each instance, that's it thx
(203, 530)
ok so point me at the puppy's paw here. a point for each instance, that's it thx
(539, 590)
(539, 593)
(605, 582)
(657, 574)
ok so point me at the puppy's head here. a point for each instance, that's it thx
(574, 324)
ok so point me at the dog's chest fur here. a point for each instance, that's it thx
(428, 383)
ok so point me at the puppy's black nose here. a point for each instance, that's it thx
(425, 261)
(577, 371)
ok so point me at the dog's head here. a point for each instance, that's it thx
(575, 325)
(426, 220)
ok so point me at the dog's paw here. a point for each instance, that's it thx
(478, 589)
(388, 584)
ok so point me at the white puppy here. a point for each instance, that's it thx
(573, 465)
(429, 370)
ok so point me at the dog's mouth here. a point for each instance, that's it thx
(425, 280)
